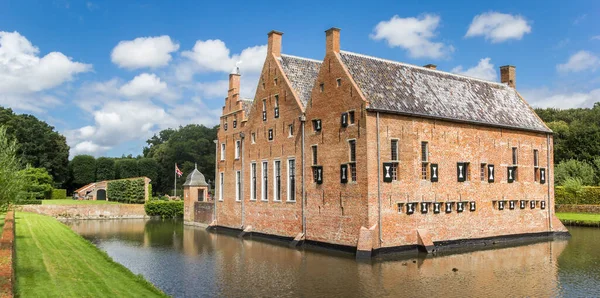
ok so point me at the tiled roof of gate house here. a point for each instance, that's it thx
(406, 89)
(302, 73)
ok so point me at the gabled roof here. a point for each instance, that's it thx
(195, 178)
(395, 87)
(302, 73)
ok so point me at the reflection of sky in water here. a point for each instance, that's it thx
(190, 262)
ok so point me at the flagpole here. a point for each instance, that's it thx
(175, 187)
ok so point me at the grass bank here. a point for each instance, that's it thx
(76, 202)
(54, 261)
(583, 219)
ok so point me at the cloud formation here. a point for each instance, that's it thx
(580, 61)
(546, 98)
(144, 52)
(213, 56)
(483, 70)
(414, 35)
(498, 27)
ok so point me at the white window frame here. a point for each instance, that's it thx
(238, 146)
(221, 178)
(253, 181)
(289, 183)
(275, 198)
(253, 137)
(392, 141)
(238, 177)
(222, 151)
(264, 190)
(290, 130)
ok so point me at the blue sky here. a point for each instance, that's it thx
(109, 74)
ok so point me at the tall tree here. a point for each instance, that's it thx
(10, 177)
(38, 184)
(105, 168)
(83, 170)
(148, 167)
(126, 168)
(39, 145)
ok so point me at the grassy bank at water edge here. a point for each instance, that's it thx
(54, 261)
(579, 218)
(76, 202)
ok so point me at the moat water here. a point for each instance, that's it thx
(187, 261)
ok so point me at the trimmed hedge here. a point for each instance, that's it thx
(164, 209)
(129, 191)
(590, 195)
(59, 194)
(29, 202)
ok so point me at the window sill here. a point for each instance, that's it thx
(252, 200)
(238, 201)
(264, 201)
(277, 201)
(289, 201)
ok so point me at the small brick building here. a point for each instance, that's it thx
(362, 152)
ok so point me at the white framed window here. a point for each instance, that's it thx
(290, 130)
(352, 163)
(424, 161)
(253, 138)
(222, 151)
(265, 181)
(291, 180)
(277, 180)
(238, 186)
(221, 177)
(238, 145)
(253, 181)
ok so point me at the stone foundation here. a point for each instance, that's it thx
(116, 211)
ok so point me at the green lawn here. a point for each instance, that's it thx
(54, 261)
(586, 218)
(76, 202)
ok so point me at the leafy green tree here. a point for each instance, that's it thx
(38, 184)
(573, 186)
(148, 167)
(83, 170)
(11, 181)
(127, 168)
(574, 169)
(105, 168)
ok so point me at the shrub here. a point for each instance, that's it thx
(126, 191)
(59, 194)
(38, 184)
(126, 168)
(574, 169)
(164, 209)
(589, 195)
(28, 202)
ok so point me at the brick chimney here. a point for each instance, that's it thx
(274, 43)
(508, 75)
(234, 82)
(332, 40)
(431, 66)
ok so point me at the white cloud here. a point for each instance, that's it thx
(483, 70)
(498, 27)
(546, 98)
(414, 35)
(580, 19)
(580, 61)
(144, 85)
(24, 75)
(144, 52)
(213, 56)
(596, 37)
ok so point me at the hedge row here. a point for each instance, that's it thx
(590, 195)
(28, 202)
(164, 209)
(59, 194)
(126, 191)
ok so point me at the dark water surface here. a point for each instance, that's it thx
(188, 261)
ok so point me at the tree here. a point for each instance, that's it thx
(574, 169)
(11, 182)
(83, 170)
(105, 168)
(39, 145)
(148, 167)
(38, 184)
(126, 168)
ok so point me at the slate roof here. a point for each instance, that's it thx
(407, 89)
(246, 106)
(195, 178)
(302, 73)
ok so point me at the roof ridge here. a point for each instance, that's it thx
(423, 68)
(303, 58)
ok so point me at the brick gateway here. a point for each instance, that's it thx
(370, 154)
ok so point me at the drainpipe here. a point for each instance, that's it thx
(550, 206)
(216, 175)
(242, 136)
(303, 121)
(379, 181)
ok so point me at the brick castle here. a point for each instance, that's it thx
(361, 152)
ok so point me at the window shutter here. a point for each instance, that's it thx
(543, 204)
(510, 174)
(276, 112)
(344, 173)
(532, 204)
(460, 207)
(523, 203)
(264, 115)
(448, 207)
(434, 172)
(511, 204)
(436, 207)
(424, 207)
(344, 119)
(410, 208)
(501, 205)
(319, 177)
(234, 123)
(491, 173)
(225, 126)
(472, 206)
(542, 175)
(270, 134)
(460, 172)
(387, 172)
(317, 125)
